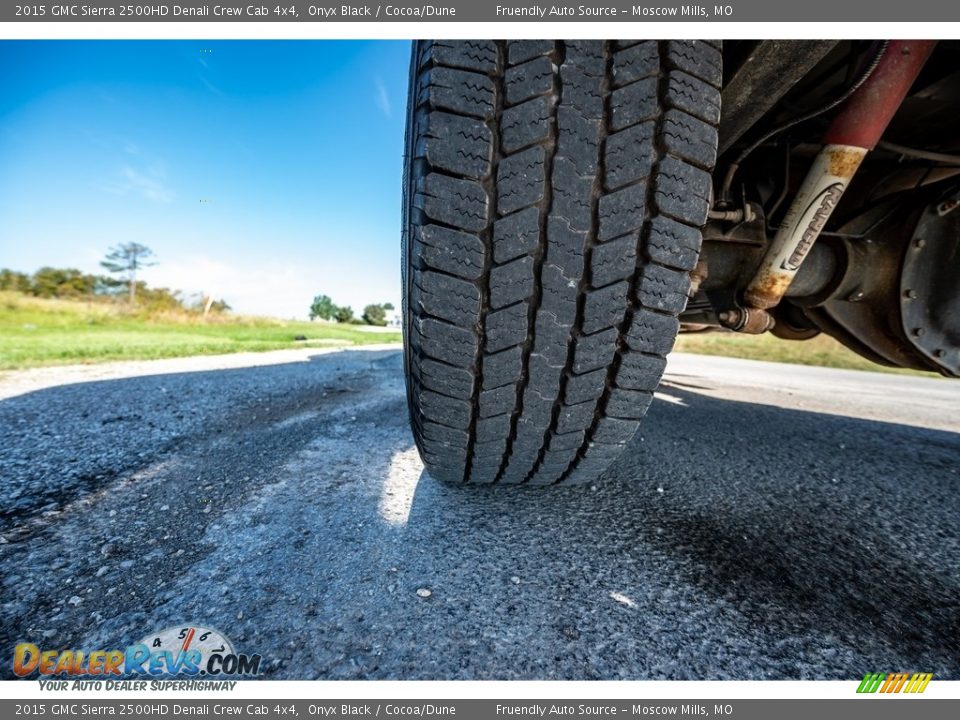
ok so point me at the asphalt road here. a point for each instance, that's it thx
(770, 521)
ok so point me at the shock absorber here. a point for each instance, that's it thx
(855, 131)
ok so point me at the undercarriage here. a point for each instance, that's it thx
(873, 253)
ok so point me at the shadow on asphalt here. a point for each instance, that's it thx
(805, 523)
(762, 527)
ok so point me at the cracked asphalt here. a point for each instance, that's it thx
(769, 521)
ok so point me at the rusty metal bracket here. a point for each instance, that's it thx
(747, 320)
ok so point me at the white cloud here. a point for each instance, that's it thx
(278, 289)
(210, 86)
(149, 184)
(281, 290)
(383, 99)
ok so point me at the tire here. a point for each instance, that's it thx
(554, 194)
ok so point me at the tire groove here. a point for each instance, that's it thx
(486, 236)
(635, 305)
(633, 283)
(539, 255)
(584, 284)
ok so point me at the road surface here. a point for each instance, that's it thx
(770, 521)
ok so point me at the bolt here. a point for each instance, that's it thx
(919, 243)
(938, 353)
(919, 332)
(910, 294)
(724, 316)
(947, 207)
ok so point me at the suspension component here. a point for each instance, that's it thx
(747, 320)
(855, 130)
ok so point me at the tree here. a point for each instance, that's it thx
(375, 315)
(13, 280)
(344, 314)
(110, 287)
(323, 307)
(49, 282)
(387, 306)
(125, 260)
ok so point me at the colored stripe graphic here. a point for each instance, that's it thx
(918, 683)
(894, 682)
(870, 683)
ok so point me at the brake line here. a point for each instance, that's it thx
(939, 157)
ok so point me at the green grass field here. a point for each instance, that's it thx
(36, 332)
(821, 350)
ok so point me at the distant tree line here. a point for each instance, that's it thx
(123, 261)
(324, 308)
(72, 284)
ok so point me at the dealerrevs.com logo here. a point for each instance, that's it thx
(181, 650)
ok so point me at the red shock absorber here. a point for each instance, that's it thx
(855, 130)
(864, 117)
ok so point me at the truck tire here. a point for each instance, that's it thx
(553, 200)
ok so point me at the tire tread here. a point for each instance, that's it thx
(557, 197)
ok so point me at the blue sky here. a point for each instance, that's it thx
(263, 172)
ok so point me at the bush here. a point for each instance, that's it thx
(323, 307)
(48, 282)
(70, 283)
(13, 280)
(344, 314)
(375, 315)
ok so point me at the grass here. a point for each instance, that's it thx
(36, 332)
(822, 350)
